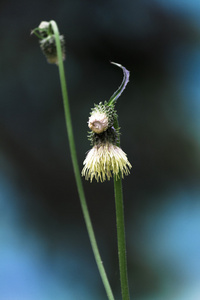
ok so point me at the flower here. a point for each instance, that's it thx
(48, 47)
(47, 41)
(104, 160)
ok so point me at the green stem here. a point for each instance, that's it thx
(76, 167)
(121, 238)
(121, 233)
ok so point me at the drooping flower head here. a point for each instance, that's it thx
(48, 43)
(106, 158)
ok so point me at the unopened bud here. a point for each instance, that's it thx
(47, 41)
(48, 46)
(98, 122)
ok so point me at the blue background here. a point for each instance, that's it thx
(44, 248)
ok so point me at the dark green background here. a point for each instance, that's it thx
(44, 248)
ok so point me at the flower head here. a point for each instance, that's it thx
(48, 47)
(47, 42)
(105, 160)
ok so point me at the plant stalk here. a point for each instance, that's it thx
(76, 167)
(121, 239)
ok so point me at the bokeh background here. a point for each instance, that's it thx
(44, 248)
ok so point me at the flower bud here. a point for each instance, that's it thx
(48, 47)
(98, 122)
(47, 41)
(101, 117)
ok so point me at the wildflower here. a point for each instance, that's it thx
(48, 47)
(104, 160)
(48, 42)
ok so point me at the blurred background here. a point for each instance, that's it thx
(45, 252)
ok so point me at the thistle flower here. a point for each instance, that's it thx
(48, 42)
(48, 47)
(105, 160)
